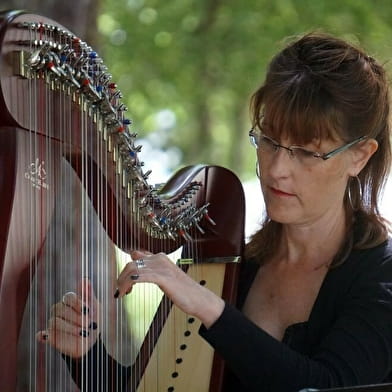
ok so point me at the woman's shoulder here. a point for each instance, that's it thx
(366, 267)
(378, 255)
(364, 279)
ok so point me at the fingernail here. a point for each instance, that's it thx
(85, 310)
(93, 325)
(84, 333)
(117, 293)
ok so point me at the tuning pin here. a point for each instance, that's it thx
(182, 232)
(170, 235)
(209, 219)
(50, 65)
(198, 226)
(147, 174)
(163, 220)
(153, 218)
(121, 108)
(35, 58)
(116, 95)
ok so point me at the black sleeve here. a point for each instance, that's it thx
(97, 371)
(356, 350)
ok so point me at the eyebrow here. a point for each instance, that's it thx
(289, 145)
(314, 136)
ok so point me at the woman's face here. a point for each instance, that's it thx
(295, 193)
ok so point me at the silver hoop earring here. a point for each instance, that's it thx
(355, 197)
(257, 169)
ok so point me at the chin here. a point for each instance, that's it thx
(281, 216)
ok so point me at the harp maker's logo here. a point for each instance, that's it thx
(36, 173)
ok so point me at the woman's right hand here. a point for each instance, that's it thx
(73, 324)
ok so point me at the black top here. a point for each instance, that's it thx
(346, 341)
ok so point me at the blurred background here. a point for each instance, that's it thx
(187, 68)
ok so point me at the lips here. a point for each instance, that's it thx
(279, 192)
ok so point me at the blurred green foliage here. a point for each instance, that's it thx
(187, 68)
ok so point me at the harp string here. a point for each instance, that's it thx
(32, 299)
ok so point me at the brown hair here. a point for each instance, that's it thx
(321, 87)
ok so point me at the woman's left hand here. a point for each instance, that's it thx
(187, 294)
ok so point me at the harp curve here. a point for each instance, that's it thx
(164, 215)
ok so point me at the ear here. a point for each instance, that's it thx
(361, 155)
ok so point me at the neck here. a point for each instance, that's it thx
(313, 243)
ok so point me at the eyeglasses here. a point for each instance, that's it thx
(268, 146)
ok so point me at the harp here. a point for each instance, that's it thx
(67, 154)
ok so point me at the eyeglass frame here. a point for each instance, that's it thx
(324, 157)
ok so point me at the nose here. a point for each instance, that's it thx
(278, 165)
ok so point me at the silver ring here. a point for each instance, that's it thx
(67, 294)
(140, 263)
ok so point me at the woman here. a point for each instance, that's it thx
(315, 304)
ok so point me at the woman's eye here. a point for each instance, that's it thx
(304, 153)
(269, 143)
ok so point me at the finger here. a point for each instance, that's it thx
(60, 333)
(42, 336)
(69, 314)
(75, 302)
(124, 281)
(60, 340)
(60, 327)
(86, 292)
(67, 343)
(140, 253)
(132, 274)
